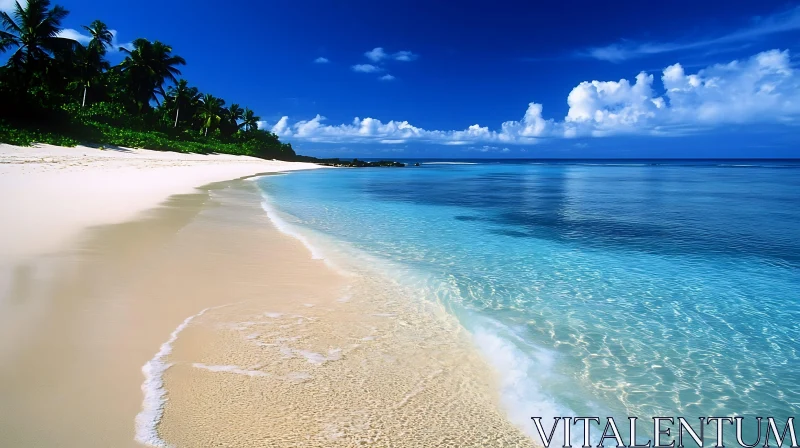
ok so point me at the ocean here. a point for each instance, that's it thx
(622, 288)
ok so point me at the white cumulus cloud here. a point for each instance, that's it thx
(764, 88)
(611, 106)
(386, 77)
(321, 60)
(371, 130)
(376, 54)
(366, 68)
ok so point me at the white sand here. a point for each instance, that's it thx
(50, 193)
(259, 368)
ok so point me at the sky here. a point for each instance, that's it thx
(468, 79)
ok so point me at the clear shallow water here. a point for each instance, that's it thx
(624, 288)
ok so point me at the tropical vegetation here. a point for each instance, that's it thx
(56, 90)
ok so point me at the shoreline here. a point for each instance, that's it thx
(210, 279)
(365, 361)
(80, 187)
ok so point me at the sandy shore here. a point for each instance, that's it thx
(189, 320)
(59, 191)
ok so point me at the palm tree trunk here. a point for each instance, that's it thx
(177, 112)
(83, 104)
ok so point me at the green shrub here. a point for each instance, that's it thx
(109, 124)
(28, 136)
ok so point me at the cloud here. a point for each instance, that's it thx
(367, 68)
(376, 54)
(764, 88)
(321, 60)
(404, 56)
(612, 105)
(280, 128)
(372, 130)
(126, 45)
(761, 89)
(84, 39)
(777, 23)
(69, 33)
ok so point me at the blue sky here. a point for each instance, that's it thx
(491, 79)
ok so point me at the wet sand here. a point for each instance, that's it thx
(289, 352)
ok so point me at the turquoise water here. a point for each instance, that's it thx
(625, 288)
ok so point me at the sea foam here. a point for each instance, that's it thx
(229, 369)
(288, 229)
(153, 389)
(285, 228)
(522, 395)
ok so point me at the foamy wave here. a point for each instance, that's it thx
(521, 395)
(229, 369)
(256, 177)
(153, 388)
(284, 227)
(449, 163)
(312, 357)
(318, 358)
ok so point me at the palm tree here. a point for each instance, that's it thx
(148, 66)
(102, 37)
(89, 66)
(34, 32)
(183, 96)
(235, 113)
(250, 120)
(211, 111)
(231, 117)
(92, 64)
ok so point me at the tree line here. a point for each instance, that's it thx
(56, 90)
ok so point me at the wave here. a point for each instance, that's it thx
(522, 396)
(153, 388)
(287, 229)
(229, 369)
(449, 163)
(305, 237)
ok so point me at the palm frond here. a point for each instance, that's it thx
(9, 24)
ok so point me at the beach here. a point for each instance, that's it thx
(150, 299)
